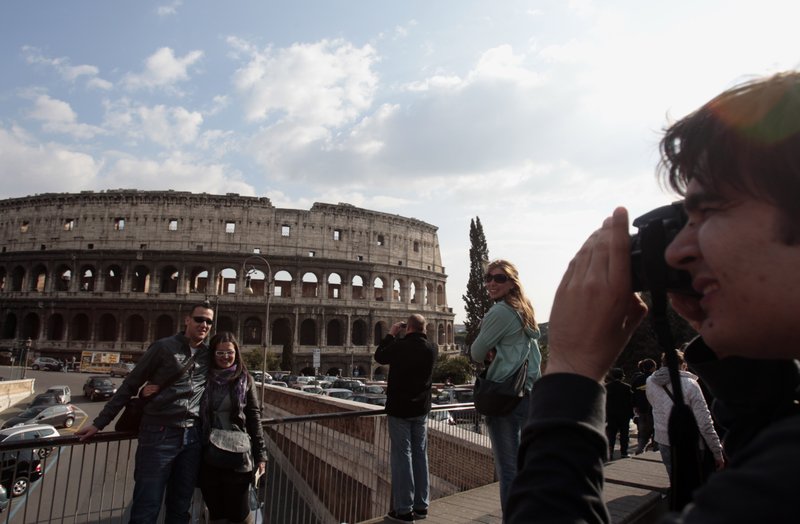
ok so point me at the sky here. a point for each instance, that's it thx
(539, 117)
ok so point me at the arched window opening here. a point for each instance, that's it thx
(283, 284)
(113, 280)
(87, 278)
(224, 323)
(255, 282)
(334, 333)
(10, 326)
(17, 276)
(377, 285)
(359, 334)
(281, 332)
(310, 285)
(80, 327)
(39, 279)
(198, 283)
(412, 293)
(165, 326)
(397, 291)
(308, 333)
(380, 328)
(63, 278)
(440, 337)
(252, 331)
(358, 288)
(227, 281)
(107, 328)
(334, 286)
(55, 327)
(31, 326)
(440, 295)
(428, 294)
(135, 330)
(169, 280)
(140, 283)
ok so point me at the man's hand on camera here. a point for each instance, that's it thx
(595, 312)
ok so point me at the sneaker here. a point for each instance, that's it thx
(396, 517)
(420, 514)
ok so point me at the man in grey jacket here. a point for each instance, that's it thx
(168, 455)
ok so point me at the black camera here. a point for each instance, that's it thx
(649, 269)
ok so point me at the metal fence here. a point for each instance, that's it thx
(331, 468)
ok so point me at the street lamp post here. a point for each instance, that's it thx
(249, 290)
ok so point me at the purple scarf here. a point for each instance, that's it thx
(223, 378)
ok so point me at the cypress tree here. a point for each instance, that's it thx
(476, 299)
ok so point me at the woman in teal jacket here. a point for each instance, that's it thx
(508, 336)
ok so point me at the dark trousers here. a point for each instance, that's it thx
(226, 493)
(644, 424)
(621, 426)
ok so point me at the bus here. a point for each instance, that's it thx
(98, 361)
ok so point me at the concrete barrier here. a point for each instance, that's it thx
(13, 391)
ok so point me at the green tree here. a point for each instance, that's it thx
(253, 359)
(476, 300)
(457, 368)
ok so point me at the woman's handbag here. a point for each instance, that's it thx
(496, 399)
(227, 449)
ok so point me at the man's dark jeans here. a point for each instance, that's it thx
(167, 459)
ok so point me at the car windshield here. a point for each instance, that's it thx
(102, 382)
(31, 412)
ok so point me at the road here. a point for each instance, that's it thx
(77, 479)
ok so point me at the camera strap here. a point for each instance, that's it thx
(683, 431)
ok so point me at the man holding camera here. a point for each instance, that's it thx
(408, 402)
(737, 162)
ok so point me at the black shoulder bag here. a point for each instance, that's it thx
(131, 417)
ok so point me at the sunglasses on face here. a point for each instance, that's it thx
(225, 353)
(203, 320)
(499, 278)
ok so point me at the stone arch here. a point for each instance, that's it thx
(169, 279)
(135, 329)
(283, 284)
(359, 333)
(440, 295)
(334, 286)
(224, 323)
(397, 290)
(140, 283)
(17, 276)
(198, 280)
(79, 329)
(31, 326)
(449, 333)
(308, 332)
(412, 292)
(440, 335)
(107, 328)
(227, 281)
(10, 326)
(377, 286)
(165, 326)
(428, 294)
(310, 285)
(252, 331)
(255, 282)
(63, 277)
(55, 327)
(88, 278)
(39, 279)
(333, 333)
(3, 276)
(281, 332)
(113, 280)
(357, 288)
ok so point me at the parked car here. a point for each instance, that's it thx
(18, 469)
(99, 387)
(342, 393)
(376, 399)
(314, 390)
(376, 389)
(62, 393)
(47, 364)
(58, 415)
(441, 415)
(44, 399)
(121, 369)
(356, 386)
(458, 395)
(31, 432)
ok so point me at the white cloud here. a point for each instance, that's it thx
(327, 83)
(168, 127)
(163, 69)
(58, 117)
(37, 167)
(67, 71)
(169, 9)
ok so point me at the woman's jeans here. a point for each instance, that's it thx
(167, 459)
(505, 433)
(409, 459)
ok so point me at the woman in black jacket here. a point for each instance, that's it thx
(230, 403)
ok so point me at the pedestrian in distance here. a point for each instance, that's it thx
(408, 402)
(169, 448)
(642, 410)
(619, 410)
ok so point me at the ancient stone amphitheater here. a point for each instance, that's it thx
(114, 270)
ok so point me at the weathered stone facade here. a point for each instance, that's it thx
(114, 270)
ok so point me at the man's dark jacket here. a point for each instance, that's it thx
(410, 360)
(177, 405)
(619, 401)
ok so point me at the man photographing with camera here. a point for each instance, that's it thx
(736, 160)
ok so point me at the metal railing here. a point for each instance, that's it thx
(326, 468)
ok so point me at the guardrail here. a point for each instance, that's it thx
(327, 468)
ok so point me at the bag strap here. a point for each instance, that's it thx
(669, 393)
(180, 373)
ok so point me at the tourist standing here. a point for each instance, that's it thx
(507, 337)
(408, 402)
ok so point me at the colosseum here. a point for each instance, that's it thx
(111, 271)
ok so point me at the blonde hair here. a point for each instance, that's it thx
(516, 297)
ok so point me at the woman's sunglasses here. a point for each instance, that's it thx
(498, 277)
